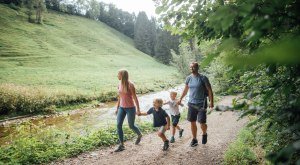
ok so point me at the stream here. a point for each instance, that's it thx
(79, 121)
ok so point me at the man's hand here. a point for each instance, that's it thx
(116, 112)
(211, 108)
(179, 102)
(211, 105)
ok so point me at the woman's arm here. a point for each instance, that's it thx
(118, 104)
(132, 89)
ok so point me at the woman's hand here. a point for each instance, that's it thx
(167, 127)
(138, 112)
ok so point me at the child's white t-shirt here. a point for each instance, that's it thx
(174, 108)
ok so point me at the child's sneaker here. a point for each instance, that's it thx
(172, 140)
(204, 139)
(194, 143)
(180, 133)
(166, 145)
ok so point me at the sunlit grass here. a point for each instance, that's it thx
(73, 56)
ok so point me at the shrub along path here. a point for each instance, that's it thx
(222, 129)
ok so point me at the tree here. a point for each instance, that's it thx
(162, 49)
(29, 4)
(261, 38)
(117, 19)
(53, 4)
(142, 37)
(93, 10)
(40, 7)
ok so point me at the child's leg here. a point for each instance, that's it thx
(161, 133)
(162, 136)
(173, 130)
(178, 127)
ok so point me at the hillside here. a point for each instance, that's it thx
(72, 54)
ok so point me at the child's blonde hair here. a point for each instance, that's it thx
(173, 93)
(159, 101)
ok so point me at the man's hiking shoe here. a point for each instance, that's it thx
(204, 139)
(180, 133)
(194, 143)
(138, 140)
(166, 145)
(172, 140)
(120, 148)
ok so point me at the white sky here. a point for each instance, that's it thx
(134, 6)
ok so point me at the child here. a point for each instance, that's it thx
(175, 115)
(161, 120)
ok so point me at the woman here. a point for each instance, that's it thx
(125, 106)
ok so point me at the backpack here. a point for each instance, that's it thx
(205, 89)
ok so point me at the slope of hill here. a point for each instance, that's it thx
(71, 53)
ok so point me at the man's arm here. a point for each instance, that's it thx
(184, 92)
(210, 95)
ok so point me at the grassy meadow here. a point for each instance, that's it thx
(68, 59)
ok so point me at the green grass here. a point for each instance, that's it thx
(240, 151)
(53, 144)
(73, 55)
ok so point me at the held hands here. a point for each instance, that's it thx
(179, 102)
(138, 112)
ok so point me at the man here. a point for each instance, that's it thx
(199, 88)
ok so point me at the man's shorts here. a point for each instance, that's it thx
(161, 129)
(197, 112)
(175, 119)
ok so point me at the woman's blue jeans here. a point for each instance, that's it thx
(130, 112)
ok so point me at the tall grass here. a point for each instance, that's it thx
(16, 99)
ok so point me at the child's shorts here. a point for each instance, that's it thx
(175, 119)
(161, 129)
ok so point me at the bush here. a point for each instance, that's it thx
(51, 144)
(240, 151)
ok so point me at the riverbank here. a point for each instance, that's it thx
(41, 142)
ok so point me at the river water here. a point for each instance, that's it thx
(82, 120)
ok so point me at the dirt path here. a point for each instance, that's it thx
(222, 129)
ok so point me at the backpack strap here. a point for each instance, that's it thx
(203, 84)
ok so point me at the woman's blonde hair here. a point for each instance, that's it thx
(158, 101)
(124, 80)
